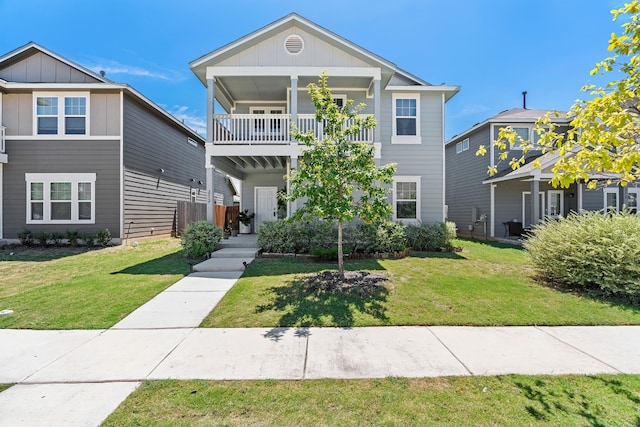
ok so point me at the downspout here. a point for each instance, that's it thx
(122, 166)
(492, 162)
(211, 96)
(444, 177)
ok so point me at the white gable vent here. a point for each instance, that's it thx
(294, 44)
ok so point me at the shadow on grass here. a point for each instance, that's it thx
(168, 264)
(280, 266)
(40, 254)
(494, 244)
(439, 255)
(304, 304)
(550, 401)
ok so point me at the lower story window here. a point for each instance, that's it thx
(60, 198)
(611, 200)
(406, 198)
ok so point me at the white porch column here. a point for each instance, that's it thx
(211, 98)
(1, 197)
(294, 99)
(535, 202)
(209, 172)
(377, 114)
(492, 209)
(579, 185)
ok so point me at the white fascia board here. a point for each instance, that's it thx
(64, 86)
(372, 72)
(224, 150)
(432, 88)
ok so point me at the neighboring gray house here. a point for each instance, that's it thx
(261, 79)
(523, 195)
(79, 152)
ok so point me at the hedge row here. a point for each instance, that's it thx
(318, 237)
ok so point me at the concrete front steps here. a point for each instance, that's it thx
(233, 254)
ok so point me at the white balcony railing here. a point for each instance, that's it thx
(2, 133)
(267, 128)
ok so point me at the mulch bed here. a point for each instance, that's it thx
(334, 281)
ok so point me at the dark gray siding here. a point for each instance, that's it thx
(150, 203)
(42, 68)
(56, 156)
(221, 186)
(464, 175)
(152, 143)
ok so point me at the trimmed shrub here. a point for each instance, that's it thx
(590, 251)
(26, 237)
(57, 237)
(429, 237)
(89, 239)
(103, 237)
(275, 236)
(450, 231)
(200, 238)
(72, 237)
(390, 237)
(42, 238)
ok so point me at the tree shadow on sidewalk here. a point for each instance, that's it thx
(322, 300)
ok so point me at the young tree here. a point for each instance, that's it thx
(333, 169)
(604, 134)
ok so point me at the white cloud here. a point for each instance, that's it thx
(189, 118)
(470, 109)
(115, 68)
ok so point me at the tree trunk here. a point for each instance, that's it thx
(340, 256)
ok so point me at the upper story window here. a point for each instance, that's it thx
(406, 119)
(60, 198)
(462, 146)
(61, 114)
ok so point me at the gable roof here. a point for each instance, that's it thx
(30, 48)
(198, 65)
(513, 115)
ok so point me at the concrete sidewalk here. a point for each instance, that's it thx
(85, 375)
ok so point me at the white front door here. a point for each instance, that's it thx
(266, 205)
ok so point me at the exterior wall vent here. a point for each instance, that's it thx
(293, 44)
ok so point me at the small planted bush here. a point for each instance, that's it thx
(57, 237)
(26, 237)
(42, 238)
(429, 237)
(200, 238)
(72, 237)
(89, 239)
(591, 252)
(103, 237)
(390, 237)
(276, 236)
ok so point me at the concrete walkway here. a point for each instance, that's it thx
(79, 377)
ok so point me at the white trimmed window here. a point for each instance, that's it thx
(406, 198)
(406, 119)
(611, 200)
(61, 114)
(632, 201)
(60, 198)
(462, 146)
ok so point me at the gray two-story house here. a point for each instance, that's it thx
(80, 152)
(476, 200)
(260, 81)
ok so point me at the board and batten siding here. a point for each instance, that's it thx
(425, 159)
(464, 188)
(60, 156)
(151, 144)
(42, 68)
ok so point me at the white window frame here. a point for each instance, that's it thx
(462, 146)
(341, 97)
(550, 195)
(416, 180)
(74, 179)
(635, 191)
(61, 114)
(405, 139)
(611, 190)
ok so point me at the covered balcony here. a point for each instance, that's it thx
(271, 129)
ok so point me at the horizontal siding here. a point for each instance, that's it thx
(150, 203)
(99, 157)
(151, 143)
(464, 175)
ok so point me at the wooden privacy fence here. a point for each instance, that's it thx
(187, 213)
(226, 216)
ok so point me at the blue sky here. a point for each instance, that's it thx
(493, 49)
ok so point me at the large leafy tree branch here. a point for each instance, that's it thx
(337, 174)
(604, 131)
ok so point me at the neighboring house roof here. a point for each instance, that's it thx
(102, 82)
(513, 115)
(198, 66)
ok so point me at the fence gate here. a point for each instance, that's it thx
(188, 212)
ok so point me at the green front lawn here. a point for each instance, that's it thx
(506, 400)
(72, 288)
(486, 284)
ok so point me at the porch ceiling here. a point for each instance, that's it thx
(239, 166)
(274, 88)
